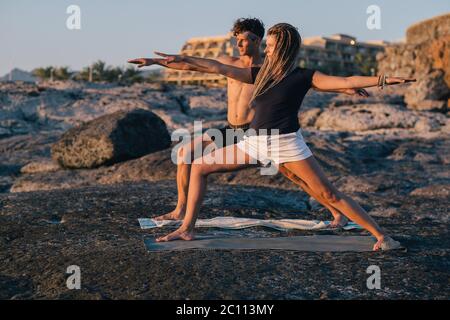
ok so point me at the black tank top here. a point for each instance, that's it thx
(278, 107)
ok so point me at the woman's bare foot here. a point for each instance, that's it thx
(339, 221)
(177, 214)
(386, 243)
(179, 234)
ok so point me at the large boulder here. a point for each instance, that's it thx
(425, 56)
(110, 139)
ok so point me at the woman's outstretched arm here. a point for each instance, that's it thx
(213, 66)
(322, 81)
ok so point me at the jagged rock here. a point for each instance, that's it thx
(365, 117)
(353, 184)
(427, 124)
(423, 31)
(335, 158)
(425, 56)
(208, 106)
(318, 99)
(111, 138)
(61, 105)
(426, 158)
(383, 212)
(433, 191)
(308, 118)
(45, 165)
(62, 179)
(403, 152)
(12, 127)
(430, 92)
(389, 95)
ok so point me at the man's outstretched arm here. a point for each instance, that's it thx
(214, 66)
(145, 62)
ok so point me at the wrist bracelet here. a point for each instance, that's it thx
(381, 80)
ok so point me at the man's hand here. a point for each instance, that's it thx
(142, 62)
(170, 58)
(354, 92)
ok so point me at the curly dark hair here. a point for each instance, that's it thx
(253, 25)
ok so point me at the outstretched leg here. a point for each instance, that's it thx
(185, 157)
(226, 159)
(311, 173)
(340, 220)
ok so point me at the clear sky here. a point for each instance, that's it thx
(34, 33)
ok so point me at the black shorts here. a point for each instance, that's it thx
(230, 135)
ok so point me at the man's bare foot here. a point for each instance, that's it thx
(179, 234)
(339, 221)
(177, 214)
(386, 243)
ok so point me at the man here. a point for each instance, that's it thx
(249, 34)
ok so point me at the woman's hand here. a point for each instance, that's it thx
(398, 80)
(142, 62)
(354, 92)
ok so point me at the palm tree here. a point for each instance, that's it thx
(62, 73)
(99, 70)
(43, 72)
(112, 74)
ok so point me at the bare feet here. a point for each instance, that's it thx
(177, 214)
(386, 243)
(179, 234)
(339, 221)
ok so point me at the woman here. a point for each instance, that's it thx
(280, 87)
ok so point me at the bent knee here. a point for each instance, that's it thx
(331, 196)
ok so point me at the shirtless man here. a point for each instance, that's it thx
(249, 34)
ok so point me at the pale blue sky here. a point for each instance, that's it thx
(33, 33)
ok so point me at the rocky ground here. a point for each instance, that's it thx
(393, 159)
(96, 229)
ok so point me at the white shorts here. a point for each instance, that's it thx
(276, 148)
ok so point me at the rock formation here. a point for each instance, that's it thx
(111, 138)
(425, 56)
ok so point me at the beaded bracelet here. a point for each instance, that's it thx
(382, 81)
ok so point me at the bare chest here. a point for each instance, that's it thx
(239, 93)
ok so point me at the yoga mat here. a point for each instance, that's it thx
(241, 223)
(317, 243)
